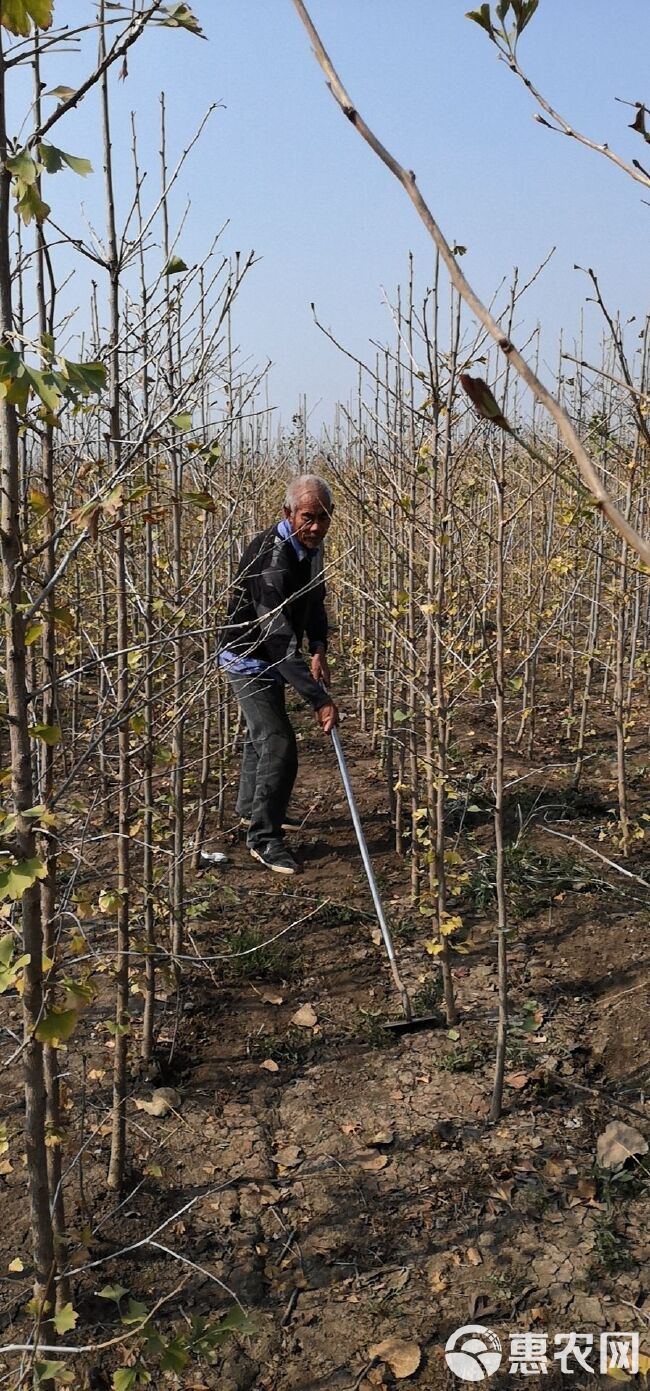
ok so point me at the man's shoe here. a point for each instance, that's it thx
(275, 857)
(290, 823)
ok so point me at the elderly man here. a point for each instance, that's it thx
(278, 596)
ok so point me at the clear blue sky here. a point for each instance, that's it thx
(328, 221)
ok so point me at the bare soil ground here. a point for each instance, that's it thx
(347, 1186)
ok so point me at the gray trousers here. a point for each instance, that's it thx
(269, 759)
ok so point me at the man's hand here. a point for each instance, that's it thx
(319, 668)
(328, 717)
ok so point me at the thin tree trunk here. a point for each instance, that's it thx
(48, 844)
(21, 771)
(118, 1138)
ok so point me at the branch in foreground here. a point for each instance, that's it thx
(407, 179)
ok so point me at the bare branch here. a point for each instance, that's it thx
(545, 397)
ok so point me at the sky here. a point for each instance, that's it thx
(327, 221)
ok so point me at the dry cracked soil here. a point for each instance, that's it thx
(344, 1185)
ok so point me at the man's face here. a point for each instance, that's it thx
(310, 518)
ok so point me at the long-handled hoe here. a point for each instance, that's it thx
(410, 1024)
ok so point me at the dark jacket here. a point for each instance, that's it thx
(276, 599)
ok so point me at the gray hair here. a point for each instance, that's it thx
(307, 483)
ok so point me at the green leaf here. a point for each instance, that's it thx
(48, 733)
(182, 421)
(78, 164)
(23, 167)
(87, 377)
(57, 1026)
(112, 1292)
(62, 93)
(30, 205)
(39, 502)
(54, 1371)
(16, 878)
(18, 15)
(125, 1378)
(482, 17)
(135, 1312)
(175, 266)
(235, 1321)
(50, 157)
(65, 1319)
(201, 500)
(10, 364)
(9, 977)
(64, 618)
(42, 383)
(33, 632)
(175, 1357)
(181, 17)
(53, 160)
(7, 946)
(523, 11)
(17, 393)
(502, 9)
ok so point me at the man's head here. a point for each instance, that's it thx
(308, 506)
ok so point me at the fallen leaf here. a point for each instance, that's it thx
(517, 1080)
(618, 1143)
(473, 1256)
(401, 1356)
(269, 1194)
(438, 1282)
(371, 1163)
(164, 1100)
(588, 1190)
(376, 936)
(288, 1157)
(503, 1191)
(271, 997)
(383, 1137)
(555, 1168)
(305, 1017)
(269, 1065)
(349, 1128)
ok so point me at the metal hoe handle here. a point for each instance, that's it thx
(370, 874)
